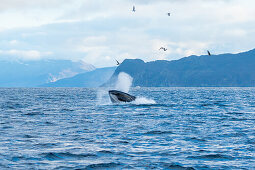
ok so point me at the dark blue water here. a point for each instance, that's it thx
(73, 128)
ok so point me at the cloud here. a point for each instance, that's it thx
(27, 13)
(23, 54)
(100, 31)
(13, 42)
(236, 33)
(28, 4)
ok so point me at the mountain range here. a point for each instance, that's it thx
(93, 78)
(227, 70)
(223, 70)
(37, 72)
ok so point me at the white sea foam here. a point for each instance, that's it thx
(143, 100)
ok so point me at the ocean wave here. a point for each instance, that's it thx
(47, 134)
(103, 165)
(64, 155)
(158, 132)
(174, 166)
(212, 156)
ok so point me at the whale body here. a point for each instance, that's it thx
(119, 96)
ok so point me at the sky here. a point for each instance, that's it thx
(99, 31)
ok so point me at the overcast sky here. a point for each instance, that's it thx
(100, 31)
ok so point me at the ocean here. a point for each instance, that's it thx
(166, 128)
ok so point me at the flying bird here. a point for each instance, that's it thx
(117, 62)
(168, 13)
(208, 52)
(163, 48)
(133, 9)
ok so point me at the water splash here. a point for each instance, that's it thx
(103, 97)
(124, 82)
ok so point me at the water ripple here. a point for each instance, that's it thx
(186, 128)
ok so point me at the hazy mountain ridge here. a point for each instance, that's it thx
(193, 71)
(89, 79)
(34, 73)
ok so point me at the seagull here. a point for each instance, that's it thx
(133, 9)
(168, 13)
(117, 62)
(208, 52)
(163, 48)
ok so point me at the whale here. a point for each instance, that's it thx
(119, 96)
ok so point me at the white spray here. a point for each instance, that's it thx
(102, 97)
(124, 82)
